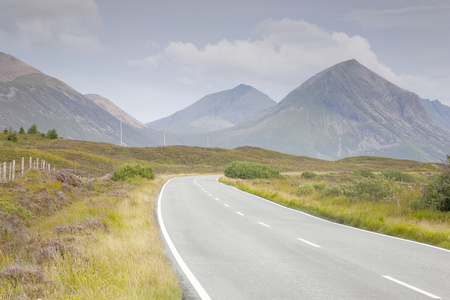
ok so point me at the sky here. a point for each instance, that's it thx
(155, 57)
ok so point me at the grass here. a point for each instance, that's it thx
(390, 213)
(65, 238)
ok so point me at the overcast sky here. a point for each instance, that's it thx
(155, 57)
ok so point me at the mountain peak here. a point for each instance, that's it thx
(11, 68)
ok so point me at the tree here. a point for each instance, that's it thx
(52, 134)
(437, 192)
(21, 130)
(33, 129)
(5, 131)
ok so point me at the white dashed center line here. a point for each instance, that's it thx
(239, 213)
(226, 205)
(263, 224)
(412, 287)
(309, 243)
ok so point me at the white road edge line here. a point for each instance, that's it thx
(412, 287)
(195, 283)
(217, 199)
(263, 224)
(309, 243)
(331, 222)
(239, 213)
(226, 205)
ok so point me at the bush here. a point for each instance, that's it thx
(13, 137)
(319, 185)
(308, 175)
(371, 189)
(397, 175)
(364, 173)
(132, 169)
(52, 134)
(251, 170)
(21, 130)
(437, 192)
(306, 189)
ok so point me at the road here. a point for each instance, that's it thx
(226, 244)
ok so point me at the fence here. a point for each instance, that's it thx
(9, 172)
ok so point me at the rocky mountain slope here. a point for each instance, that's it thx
(438, 112)
(345, 110)
(114, 110)
(216, 111)
(28, 96)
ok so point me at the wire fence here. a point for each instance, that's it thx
(9, 171)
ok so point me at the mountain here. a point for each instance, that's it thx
(28, 96)
(114, 110)
(438, 112)
(345, 110)
(216, 111)
(11, 68)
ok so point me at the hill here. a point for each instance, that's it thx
(345, 110)
(28, 96)
(216, 111)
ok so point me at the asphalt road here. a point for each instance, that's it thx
(226, 244)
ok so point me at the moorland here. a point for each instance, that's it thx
(74, 233)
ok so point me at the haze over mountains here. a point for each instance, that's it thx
(29, 96)
(345, 110)
(216, 111)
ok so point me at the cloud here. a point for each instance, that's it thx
(281, 56)
(68, 24)
(413, 17)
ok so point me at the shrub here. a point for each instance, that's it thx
(437, 192)
(319, 185)
(13, 137)
(132, 169)
(364, 173)
(306, 189)
(21, 130)
(251, 170)
(397, 175)
(308, 175)
(371, 189)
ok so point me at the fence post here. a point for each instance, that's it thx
(23, 165)
(10, 167)
(1, 177)
(14, 170)
(4, 171)
(31, 163)
(37, 163)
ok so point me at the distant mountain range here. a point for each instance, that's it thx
(216, 111)
(29, 96)
(345, 110)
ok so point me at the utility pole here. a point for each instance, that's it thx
(164, 133)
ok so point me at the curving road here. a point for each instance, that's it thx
(226, 244)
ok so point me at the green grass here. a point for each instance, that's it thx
(373, 204)
(99, 240)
